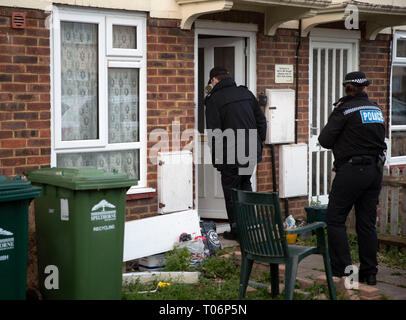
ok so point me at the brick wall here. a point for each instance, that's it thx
(25, 105)
(170, 94)
(281, 49)
(24, 93)
(25, 97)
(374, 61)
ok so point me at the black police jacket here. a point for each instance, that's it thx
(232, 107)
(355, 127)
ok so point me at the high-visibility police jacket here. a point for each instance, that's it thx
(355, 127)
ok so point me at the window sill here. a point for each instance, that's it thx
(399, 165)
(140, 193)
(397, 161)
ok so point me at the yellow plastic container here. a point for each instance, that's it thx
(291, 238)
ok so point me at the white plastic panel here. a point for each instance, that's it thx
(175, 181)
(145, 237)
(293, 170)
(280, 115)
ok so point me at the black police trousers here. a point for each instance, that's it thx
(355, 185)
(230, 178)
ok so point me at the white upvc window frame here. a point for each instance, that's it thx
(398, 35)
(80, 18)
(139, 24)
(117, 59)
(396, 62)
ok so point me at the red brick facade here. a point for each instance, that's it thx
(170, 94)
(25, 128)
(281, 49)
(25, 109)
(25, 90)
(25, 114)
(374, 60)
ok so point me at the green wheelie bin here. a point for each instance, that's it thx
(15, 197)
(80, 232)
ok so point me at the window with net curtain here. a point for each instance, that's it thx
(79, 100)
(398, 114)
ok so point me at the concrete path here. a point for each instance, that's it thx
(391, 282)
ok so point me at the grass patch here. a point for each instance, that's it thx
(219, 280)
(219, 267)
(393, 258)
(205, 289)
(220, 277)
(209, 287)
(384, 297)
(213, 268)
(315, 291)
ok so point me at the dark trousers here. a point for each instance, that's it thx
(231, 179)
(359, 186)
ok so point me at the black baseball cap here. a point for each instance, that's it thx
(217, 71)
(356, 78)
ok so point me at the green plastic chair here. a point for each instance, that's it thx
(263, 238)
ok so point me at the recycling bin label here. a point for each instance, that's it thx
(6, 243)
(106, 212)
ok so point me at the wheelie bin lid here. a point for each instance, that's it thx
(16, 188)
(80, 178)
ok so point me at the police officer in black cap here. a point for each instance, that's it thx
(232, 107)
(356, 133)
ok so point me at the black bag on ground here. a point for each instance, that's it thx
(212, 242)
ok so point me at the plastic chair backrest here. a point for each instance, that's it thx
(259, 223)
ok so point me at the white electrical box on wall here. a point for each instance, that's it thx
(293, 170)
(175, 181)
(280, 115)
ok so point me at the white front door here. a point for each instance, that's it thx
(329, 62)
(228, 53)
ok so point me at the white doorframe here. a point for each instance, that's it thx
(335, 38)
(216, 28)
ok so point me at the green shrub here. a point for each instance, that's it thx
(218, 267)
(178, 259)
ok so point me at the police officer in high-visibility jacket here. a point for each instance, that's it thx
(355, 131)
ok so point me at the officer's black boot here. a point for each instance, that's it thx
(369, 279)
(230, 235)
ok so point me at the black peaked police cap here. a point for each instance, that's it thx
(356, 78)
(217, 71)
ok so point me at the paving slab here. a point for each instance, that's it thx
(391, 275)
(392, 292)
(227, 243)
